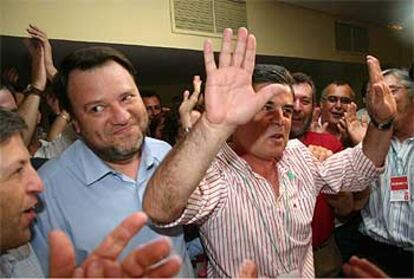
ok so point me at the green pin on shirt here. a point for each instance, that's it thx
(291, 175)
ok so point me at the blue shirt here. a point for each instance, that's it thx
(87, 199)
(386, 221)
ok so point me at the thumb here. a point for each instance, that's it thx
(268, 92)
(186, 94)
(61, 255)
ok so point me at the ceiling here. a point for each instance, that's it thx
(383, 12)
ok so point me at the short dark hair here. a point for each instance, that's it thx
(86, 59)
(300, 77)
(337, 83)
(150, 93)
(272, 73)
(10, 124)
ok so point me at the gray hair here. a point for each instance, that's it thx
(10, 124)
(404, 78)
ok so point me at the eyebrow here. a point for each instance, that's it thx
(9, 170)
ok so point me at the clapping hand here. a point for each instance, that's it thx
(149, 260)
(380, 103)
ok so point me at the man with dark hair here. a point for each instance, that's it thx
(152, 103)
(19, 189)
(327, 257)
(335, 100)
(100, 179)
(305, 102)
(253, 197)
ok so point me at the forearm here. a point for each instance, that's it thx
(182, 170)
(51, 71)
(29, 110)
(60, 123)
(376, 144)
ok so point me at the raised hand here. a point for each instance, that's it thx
(229, 96)
(39, 76)
(189, 102)
(36, 33)
(315, 126)
(11, 76)
(351, 127)
(380, 103)
(149, 260)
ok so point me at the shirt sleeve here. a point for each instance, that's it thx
(207, 199)
(349, 171)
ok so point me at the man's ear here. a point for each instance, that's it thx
(75, 125)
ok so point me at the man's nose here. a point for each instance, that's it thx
(297, 105)
(35, 184)
(120, 115)
(277, 116)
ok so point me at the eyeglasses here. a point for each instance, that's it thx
(335, 99)
(395, 89)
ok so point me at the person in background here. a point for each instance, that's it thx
(152, 102)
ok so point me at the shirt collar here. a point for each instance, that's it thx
(230, 156)
(95, 168)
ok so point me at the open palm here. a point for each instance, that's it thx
(229, 97)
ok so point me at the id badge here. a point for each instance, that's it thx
(400, 190)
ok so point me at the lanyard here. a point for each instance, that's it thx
(402, 169)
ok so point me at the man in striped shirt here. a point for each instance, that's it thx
(254, 196)
(388, 218)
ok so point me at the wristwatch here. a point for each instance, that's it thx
(382, 126)
(31, 90)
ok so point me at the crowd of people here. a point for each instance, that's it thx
(248, 175)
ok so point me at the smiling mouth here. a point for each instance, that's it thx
(337, 114)
(277, 136)
(123, 130)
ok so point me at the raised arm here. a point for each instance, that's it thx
(230, 101)
(382, 108)
(36, 33)
(29, 107)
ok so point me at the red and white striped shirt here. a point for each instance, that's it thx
(241, 218)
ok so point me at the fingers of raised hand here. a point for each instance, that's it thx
(186, 94)
(115, 242)
(240, 49)
(62, 255)
(197, 83)
(100, 268)
(374, 69)
(139, 262)
(250, 56)
(168, 268)
(209, 62)
(316, 113)
(226, 48)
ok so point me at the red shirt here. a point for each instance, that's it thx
(324, 224)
